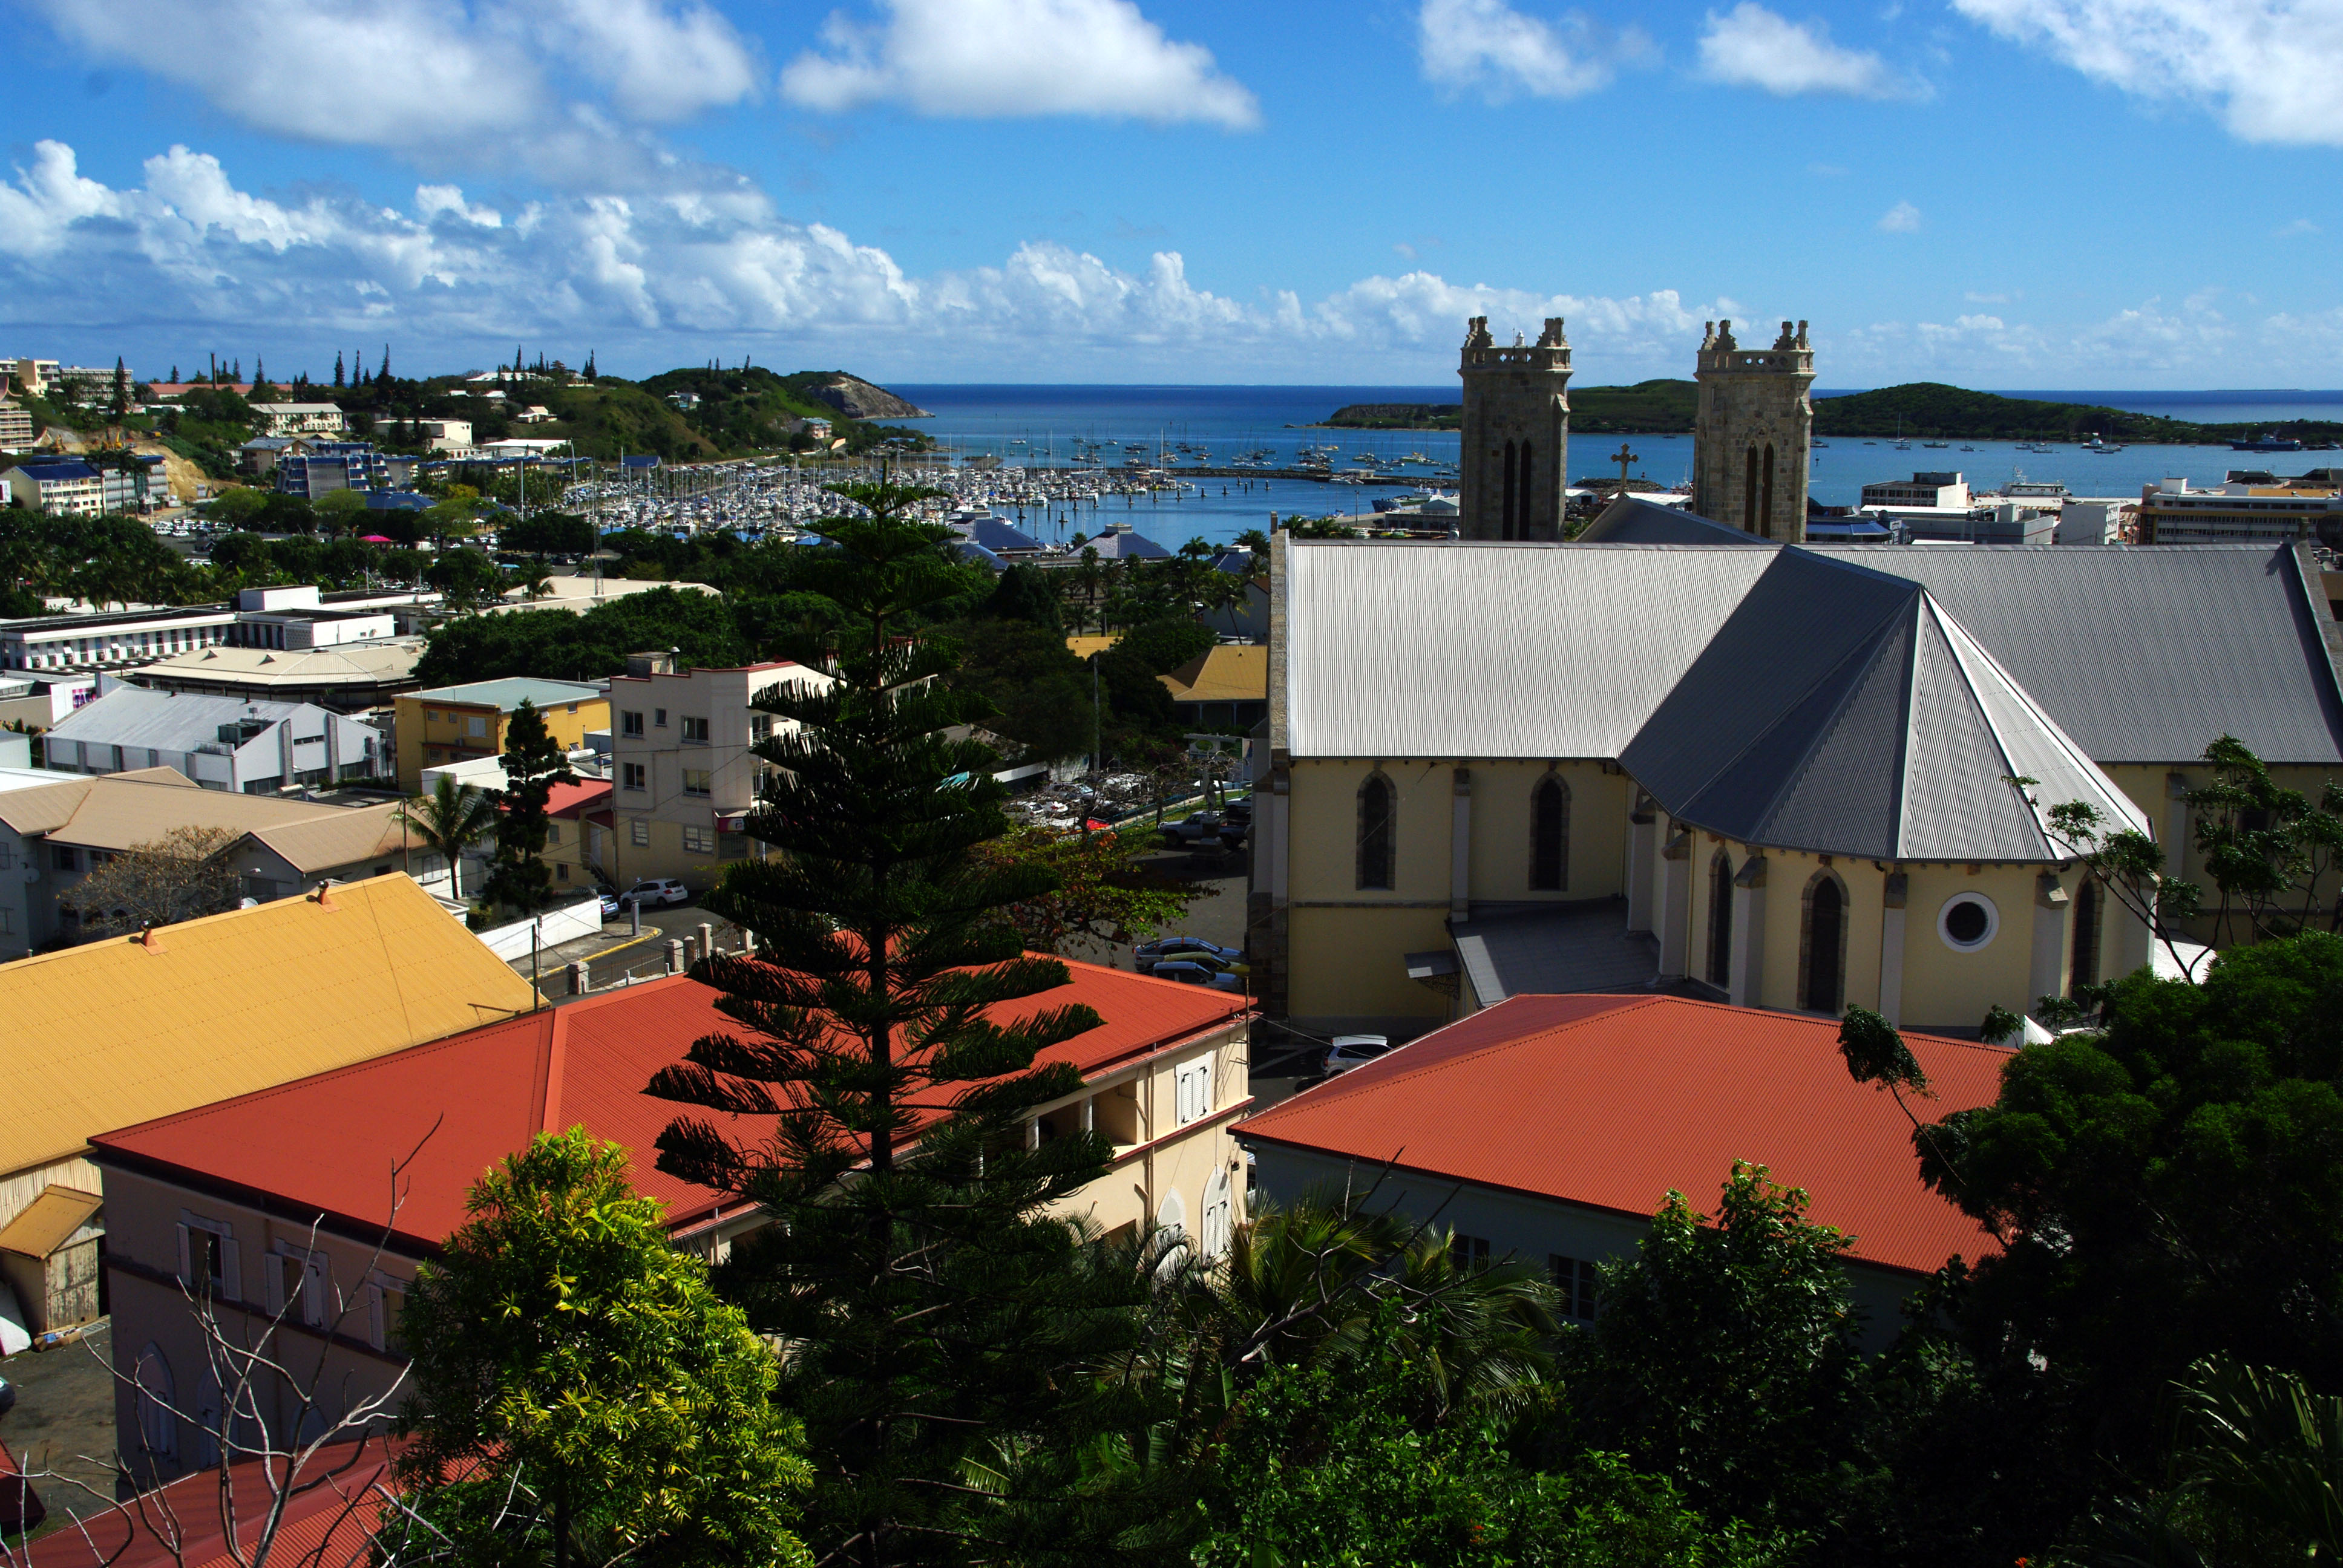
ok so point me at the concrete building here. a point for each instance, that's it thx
(2094, 520)
(300, 418)
(447, 434)
(685, 777)
(297, 618)
(1654, 754)
(227, 1005)
(581, 594)
(220, 742)
(113, 638)
(1941, 491)
(67, 486)
(53, 837)
(282, 1200)
(2008, 523)
(316, 469)
(350, 678)
(92, 384)
(1514, 455)
(1753, 433)
(33, 376)
(1549, 1129)
(15, 423)
(2177, 513)
(457, 723)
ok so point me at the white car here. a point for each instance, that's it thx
(1350, 1050)
(658, 891)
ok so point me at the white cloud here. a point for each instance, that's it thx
(1750, 46)
(432, 201)
(2299, 226)
(1486, 44)
(560, 83)
(995, 59)
(2271, 69)
(1901, 218)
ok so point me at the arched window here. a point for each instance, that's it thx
(1821, 946)
(158, 1419)
(1549, 835)
(1720, 919)
(2087, 936)
(1749, 493)
(1528, 506)
(1507, 512)
(1378, 836)
(1765, 497)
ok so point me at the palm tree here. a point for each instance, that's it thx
(450, 820)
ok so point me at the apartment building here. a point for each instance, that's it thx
(301, 418)
(312, 470)
(1926, 489)
(15, 423)
(458, 723)
(62, 484)
(2178, 513)
(684, 775)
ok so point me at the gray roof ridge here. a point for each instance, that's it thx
(1866, 653)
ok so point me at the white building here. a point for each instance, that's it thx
(293, 617)
(32, 374)
(220, 742)
(447, 434)
(2178, 513)
(1926, 489)
(70, 487)
(301, 418)
(15, 423)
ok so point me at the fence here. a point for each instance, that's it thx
(551, 928)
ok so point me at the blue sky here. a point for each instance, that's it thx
(1998, 192)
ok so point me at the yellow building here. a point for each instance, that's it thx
(459, 723)
(1673, 755)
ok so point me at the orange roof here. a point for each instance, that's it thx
(1613, 1102)
(326, 1144)
(570, 800)
(1225, 672)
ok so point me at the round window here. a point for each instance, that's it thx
(1967, 921)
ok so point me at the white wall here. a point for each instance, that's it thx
(567, 924)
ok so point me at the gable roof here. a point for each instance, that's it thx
(1225, 672)
(327, 1143)
(133, 716)
(1881, 730)
(121, 811)
(1631, 520)
(1611, 1102)
(121, 1033)
(510, 692)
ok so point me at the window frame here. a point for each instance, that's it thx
(1377, 836)
(1550, 787)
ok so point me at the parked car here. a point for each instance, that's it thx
(660, 891)
(1168, 946)
(1195, 829)
(610, 897)
(1350, 1050)
(1191, 971)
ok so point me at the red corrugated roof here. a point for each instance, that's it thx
(331, 1521)
(569, 800)
(328, 1144)
(1611, 1101)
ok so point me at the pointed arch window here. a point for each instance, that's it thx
(1720, 919)
(1765, 494)
(1527, 508)
(1821, 946)
(1749, 493)
(1549, 835)
(2085, 969)
(1506, 530)
(1378, 831)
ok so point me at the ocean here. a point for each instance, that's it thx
(1021, 423)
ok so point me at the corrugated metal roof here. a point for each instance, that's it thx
(133, 716)
(49, 1220)
(326, 1143)
(113, 1032)
(1400, 649)
(1632, 521)
(1881, 730)
(509, 693)
(2144, 654)
(1613, 1103)
(332, 839)
(122, 810)
(1227, 672)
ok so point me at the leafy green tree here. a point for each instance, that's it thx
(1723, 1357)
(1333, 1462)
(2168, 1190)
(1040, 693)
(450, 820)
(1106, 891)
(1027, 594)
(560, 646)
(342, 512)
(467, 577)
(534, 762)
(939, 1313)
(580, 1394)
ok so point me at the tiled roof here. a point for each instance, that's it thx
(115, 1031)
(1611, 1102)
(326, 1144)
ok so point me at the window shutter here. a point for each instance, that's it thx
(1204, 1088)
(231, 1271)
(186, 1261)
(272, 1284)
(312, 1290)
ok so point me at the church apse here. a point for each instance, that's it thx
(1753, 433)
(1514, 454)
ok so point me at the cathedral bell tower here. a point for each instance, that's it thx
(1515, 450)
(1753, 433)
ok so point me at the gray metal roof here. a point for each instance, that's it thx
(1434, 650)
(168, 721)
(1630, 520)
(2149, 654)
(1546, 949)
(1880, 728)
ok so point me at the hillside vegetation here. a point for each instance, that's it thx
(1653, 405)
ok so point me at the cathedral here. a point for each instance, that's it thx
(1688, 751)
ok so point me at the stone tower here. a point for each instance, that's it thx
(1753, 432)
(1514, 457)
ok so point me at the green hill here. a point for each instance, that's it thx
(1648, 406)
(1930, 408)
